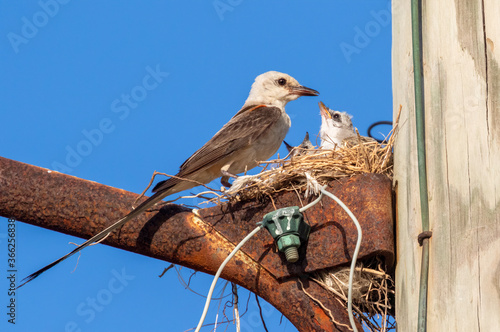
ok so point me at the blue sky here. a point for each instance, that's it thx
(158, 79)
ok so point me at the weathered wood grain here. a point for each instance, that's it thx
(462, 99)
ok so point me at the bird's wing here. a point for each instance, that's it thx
(241, 131)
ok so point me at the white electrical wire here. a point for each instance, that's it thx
(356, 250)
(354, 256)
(219, 271)
(351, 272)
(313, 203)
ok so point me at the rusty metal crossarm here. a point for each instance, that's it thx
(175, 234)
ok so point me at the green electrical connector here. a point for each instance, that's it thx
(288, 229)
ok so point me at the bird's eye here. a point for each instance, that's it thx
(336, 117)
(281, 81)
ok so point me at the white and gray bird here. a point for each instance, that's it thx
(254, 134)
(337, 129)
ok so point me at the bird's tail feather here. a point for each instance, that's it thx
(166, 190)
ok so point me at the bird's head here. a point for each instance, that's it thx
(277, 89)
(335, 127)
(331, 118)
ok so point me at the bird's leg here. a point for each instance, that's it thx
(225, 182)
(225, 178)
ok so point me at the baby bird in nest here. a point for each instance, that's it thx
(306, 147)
(337, 129)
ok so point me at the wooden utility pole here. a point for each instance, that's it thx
(461, 58)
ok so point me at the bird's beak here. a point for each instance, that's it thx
(324, 111)
(303, 91)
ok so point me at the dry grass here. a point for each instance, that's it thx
(373, 292)
(322, 165)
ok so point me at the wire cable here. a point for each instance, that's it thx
(351, 272)
(356, 250)
(219, 271)
(354, 256)
(418, 81)
(375, 124)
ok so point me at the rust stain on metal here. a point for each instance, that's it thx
(333, 235)
(82, 208)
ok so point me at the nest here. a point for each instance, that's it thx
(373, 292)
(289, 174)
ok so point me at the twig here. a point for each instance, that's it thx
(235, 303)
(155, 173)
(260, 313)
(166, 270)
(322, 306)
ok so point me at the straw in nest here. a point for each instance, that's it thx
(322, 165)
(373, 292)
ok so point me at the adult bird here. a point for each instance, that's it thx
(254, 134)
(337, 129)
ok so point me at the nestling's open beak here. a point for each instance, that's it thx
(303, 91)
(324, 111)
